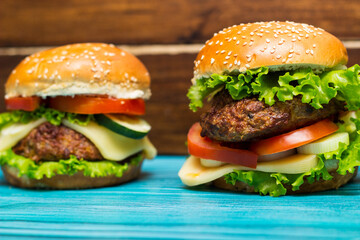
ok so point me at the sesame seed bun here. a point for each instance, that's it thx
(86, 68)
(278, 45)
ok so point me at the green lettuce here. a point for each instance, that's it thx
(51, 115)
(314, 89)
(346, 157)
(69, 166)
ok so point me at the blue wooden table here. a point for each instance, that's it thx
(159, 206)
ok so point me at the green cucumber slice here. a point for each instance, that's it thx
(129, 126)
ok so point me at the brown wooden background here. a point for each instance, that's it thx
(165, 35)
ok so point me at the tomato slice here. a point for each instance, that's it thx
(22, 103)
(96, 105)
(203, 147)
(294, 138)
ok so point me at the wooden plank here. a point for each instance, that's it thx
(42, 22)
(159, 206)
(167, 110)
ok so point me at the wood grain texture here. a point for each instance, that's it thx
(167, 110)
(158, 206)
(41, 22)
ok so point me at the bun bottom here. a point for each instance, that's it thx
(318, 186)
(76, 181)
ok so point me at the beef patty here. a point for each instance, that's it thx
(52, 143)
(249, 119)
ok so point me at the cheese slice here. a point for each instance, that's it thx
(10, 135)
(193, 173)
(112, 146)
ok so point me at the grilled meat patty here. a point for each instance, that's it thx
(249, 119)
(48, 142)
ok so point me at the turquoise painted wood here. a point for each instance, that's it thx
(159, 206)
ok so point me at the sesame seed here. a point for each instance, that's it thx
(314, 46)
(110, 54)
(221, 43)
(237, 43)
(238, 63)
(217, 42)
(247, 65)
(123, 54)
(202, 57)
(222, 51)
(290, 55)
(230, 65)
(275, 35)
(312, 52)
(227, 57)
(235, 55)
(278, 56)
(299, 38)
(252, 34)
(210, 43)
(293, 40)
(244, 44)
(230, 53)
(268, 40)
(225, 62)
(217, 52)
(243, 37)
(284, 60)
(212, 60)
(307, 35)
(272, 51)
(291, 51)
(250, 44)
(307, 51)
(234, 38)
(30, 71)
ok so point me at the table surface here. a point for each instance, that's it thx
(158, 206)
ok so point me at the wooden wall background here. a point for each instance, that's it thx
(165, 35)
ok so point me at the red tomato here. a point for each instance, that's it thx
(203, 147)
(23, 103)
(294, 138)
(96, 105)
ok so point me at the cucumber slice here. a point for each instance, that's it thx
(129, 126)
(326, 144)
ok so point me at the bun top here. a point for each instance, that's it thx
(85, 68)
(278, 45)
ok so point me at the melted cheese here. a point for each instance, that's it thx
(193, 173)
(113, 146)
(10, 135)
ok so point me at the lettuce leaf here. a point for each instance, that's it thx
(69, 166)
(314, 89)
(347, 158)
(53, 116)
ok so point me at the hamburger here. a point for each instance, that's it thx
(283, 115)
(74, 118)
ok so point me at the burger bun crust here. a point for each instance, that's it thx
(277, 45)
(76, 181)
(318, 186)
(85, 68)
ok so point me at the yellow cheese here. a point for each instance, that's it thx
(10, 135)
(113, 146)
(193, 173)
